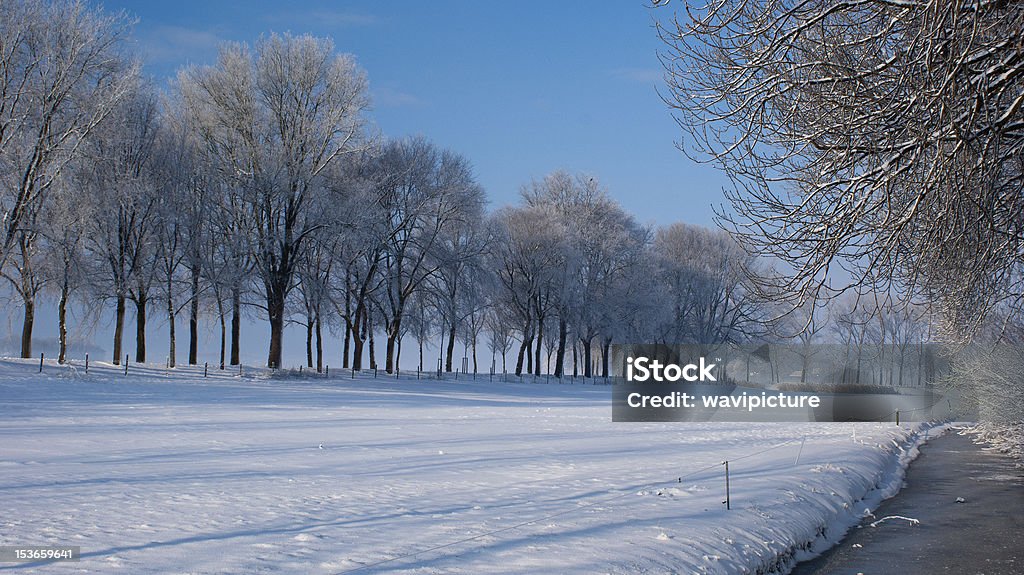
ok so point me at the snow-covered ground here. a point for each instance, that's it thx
(168, 472)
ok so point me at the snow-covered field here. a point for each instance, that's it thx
(167, 472)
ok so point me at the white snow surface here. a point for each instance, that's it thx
(164, 471)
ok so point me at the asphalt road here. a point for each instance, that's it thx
(984, 534)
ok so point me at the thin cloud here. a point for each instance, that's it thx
(385, 97)
(177, 45)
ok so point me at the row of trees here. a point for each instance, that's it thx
(254, 185)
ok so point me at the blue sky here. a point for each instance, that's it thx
(519, 88)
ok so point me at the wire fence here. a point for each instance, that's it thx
(125, 366)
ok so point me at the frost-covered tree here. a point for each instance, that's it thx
(426, 195)
(703, 274)
(600, 251)
(276, 117)
(182, 223)
(66, 214)
(527, 254)
(118, 176)
(420, 321)
(884, 138)
(62, 71)
(359, 224)
(170, 231)
(457, 257)
(227, 257)
(314, 281)
(499, 333)
(24, 274)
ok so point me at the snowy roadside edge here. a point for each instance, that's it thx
(832, 530)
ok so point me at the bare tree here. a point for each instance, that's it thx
(118, 178)
(457, 256)
(359, 223)
(276, 118)
(527, 250)
(62, 72)
(881, 137)
(314, 273)
(600, 247)
(703, 272)
(850, 324)
(499, 338)
(181, 223)
(426, 195)
(27, 279)
(66, 216)
(227, 257)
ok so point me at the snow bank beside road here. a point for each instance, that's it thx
(168, 472)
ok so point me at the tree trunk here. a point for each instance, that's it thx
(529, 356)
(587, 372)
(575, 361)
(140, 328)
(903, 360)
(394, 330)
(172, 346)
(398, 355)
(118, 328)
(236, 325)
(223, 329)
(563, 332)
(451, 347)
(540, 340)
(605, 349)
(358, 338)
(357, 352)
(348, 327)
(519, 358)
(371, 340)
(309, 340)
(26, 326)
(193, 320)
(346, 347)
(419, 340)
(275, 313)
(319, 344)
(62, 321)
(473, 346)
(373, 351)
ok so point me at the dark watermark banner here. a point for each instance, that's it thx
(782, 383)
